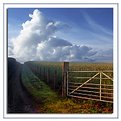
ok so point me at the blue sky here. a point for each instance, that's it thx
(91, 27)
(78, 19)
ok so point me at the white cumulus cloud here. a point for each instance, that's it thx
(37, 41)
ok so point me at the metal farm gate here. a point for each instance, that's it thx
(94, 85)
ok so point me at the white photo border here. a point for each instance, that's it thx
(115, 7)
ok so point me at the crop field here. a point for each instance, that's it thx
(92, 69)
(53, 71)
(91, 66)
(43, 80)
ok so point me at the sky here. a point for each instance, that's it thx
(60, 34)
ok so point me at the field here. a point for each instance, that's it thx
(51, 72)
(91, 66)
(43, 80)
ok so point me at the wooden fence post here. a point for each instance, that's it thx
(44, 73)
(65, 69)
(55, 78)
(48, 75)
(40, 72)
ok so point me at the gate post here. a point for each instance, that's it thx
(100, 84)
(65, 69)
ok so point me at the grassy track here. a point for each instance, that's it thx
(37, 88)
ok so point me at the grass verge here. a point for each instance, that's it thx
(37, 88)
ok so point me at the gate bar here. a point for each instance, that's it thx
(85, 82)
